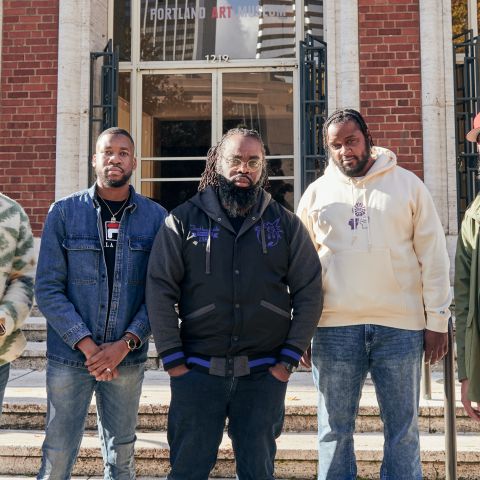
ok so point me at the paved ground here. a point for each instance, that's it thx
(29, 386)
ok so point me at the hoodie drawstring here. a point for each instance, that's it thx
(369, 239)
(207, 248)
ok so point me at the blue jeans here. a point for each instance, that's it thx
(255, 407)
(4, 372)
(341, 358)
(69, 393)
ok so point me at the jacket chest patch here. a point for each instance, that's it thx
(200, 234)
(273, 233)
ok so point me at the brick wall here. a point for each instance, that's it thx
(390, 85)
(28, 105)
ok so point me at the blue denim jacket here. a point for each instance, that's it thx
(71, 284)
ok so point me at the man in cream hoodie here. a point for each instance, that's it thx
(386, 296)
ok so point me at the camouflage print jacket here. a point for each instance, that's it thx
(17, 271)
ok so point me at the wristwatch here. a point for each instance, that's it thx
(290, 367)
(131, 343)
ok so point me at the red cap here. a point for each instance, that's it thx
(472, 135)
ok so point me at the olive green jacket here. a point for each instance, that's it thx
(467, 300)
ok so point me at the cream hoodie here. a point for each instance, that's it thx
(381, 245)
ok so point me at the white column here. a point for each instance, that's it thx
(341, 35)
(82, 28)
(438, 114)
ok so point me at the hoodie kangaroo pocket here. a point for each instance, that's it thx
(363, 283)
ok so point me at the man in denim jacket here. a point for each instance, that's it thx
(90, 286)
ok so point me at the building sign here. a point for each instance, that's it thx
(206, 29)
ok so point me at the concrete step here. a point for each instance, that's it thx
(20, 452)
(25, 405)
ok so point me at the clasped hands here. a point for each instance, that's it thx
(102, 360)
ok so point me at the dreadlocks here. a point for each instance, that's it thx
(343, 116)
(210, 175)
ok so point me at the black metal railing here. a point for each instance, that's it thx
(103, 105)
(466, 54)
(449, 403)
(314, 108)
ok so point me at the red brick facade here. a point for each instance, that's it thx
(390, 82)
(28, 105)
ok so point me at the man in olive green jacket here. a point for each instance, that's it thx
(467, 300)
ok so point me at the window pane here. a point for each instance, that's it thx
(169, 194)
(282, 192)
(459, 17)
(172, 168)
(262, 101)
(124, 101)
(280, 167)
(237, 28)
(176, 115)
(122, 28)
(314, 17)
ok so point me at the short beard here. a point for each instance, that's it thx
(237, 201)
(116, 183)
(355, 171)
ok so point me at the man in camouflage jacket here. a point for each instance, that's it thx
(16, 283)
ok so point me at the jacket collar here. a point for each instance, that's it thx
(132, 204)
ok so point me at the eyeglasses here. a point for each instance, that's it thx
(253, 164)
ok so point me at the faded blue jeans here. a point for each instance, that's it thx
(341, 359)
(69, 393)
(254, 405)
(4, 372)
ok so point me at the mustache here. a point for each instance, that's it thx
(241, 175)
(108, 169)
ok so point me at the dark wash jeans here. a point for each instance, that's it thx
(254, 405)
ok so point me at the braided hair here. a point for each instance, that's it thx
(210, 174)
(343, 116)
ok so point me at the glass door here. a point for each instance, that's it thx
(176, 133)
(263, 101)
(184, 114)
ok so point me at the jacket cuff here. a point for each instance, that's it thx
(75, 334)
(438, 322)
(290, 354)
(140, 333)
(172, 358)
(462, 371)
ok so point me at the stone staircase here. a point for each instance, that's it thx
(22, 425)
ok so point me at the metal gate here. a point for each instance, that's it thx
(103, 108)
(466, 56)
(314, 109)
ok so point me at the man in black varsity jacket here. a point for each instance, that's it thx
(233, 298)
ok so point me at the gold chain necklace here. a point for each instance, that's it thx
(117, 212)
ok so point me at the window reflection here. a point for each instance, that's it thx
(282, 192)
(170, 194)
(314, 17)
(237, 28)
(174, 168)
(176, 115)
(263, 102)
(124, 101)
(122, 28)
